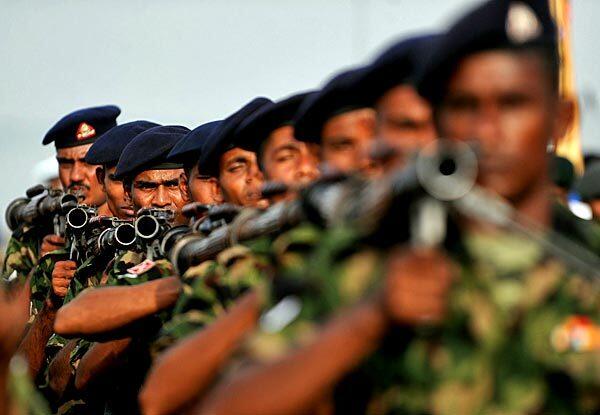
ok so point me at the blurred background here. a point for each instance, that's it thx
(190, 61)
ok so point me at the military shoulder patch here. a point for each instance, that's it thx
(576, 334)
(142, 267)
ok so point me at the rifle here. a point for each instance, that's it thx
(153, 229)
(42, 207)
(397, 202)
(80, 229)
(116, 235)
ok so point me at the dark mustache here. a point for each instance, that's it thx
(77, 190)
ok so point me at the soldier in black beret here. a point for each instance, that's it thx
(404, 119)
(493, 78)
(269, 132)
(149, 179)
(73, 136)
(105, 152)
(201, 188)
(240, 178)
(337, 118)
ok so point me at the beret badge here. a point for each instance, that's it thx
(522, 25)
(85, 131)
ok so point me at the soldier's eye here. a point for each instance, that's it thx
(285, 155)
(65, 162)
(236, 167)
(145, 186)
(342, 144)
(461, 103)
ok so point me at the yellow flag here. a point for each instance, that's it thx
(570, 145)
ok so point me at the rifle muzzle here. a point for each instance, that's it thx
(147, 227)
(125, 234)
(77, 218)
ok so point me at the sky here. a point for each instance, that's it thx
(187, 62)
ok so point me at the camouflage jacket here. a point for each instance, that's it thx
(208, 289)
(522, 334)
(21, 255)
(88, 274)
(131, 268)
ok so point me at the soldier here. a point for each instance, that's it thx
(404, 119)
(269, 133)
(335, 118)
(237, 170)
(105, 153)
(493, 78)
(200, 188)
(150, 180)
(72, 135)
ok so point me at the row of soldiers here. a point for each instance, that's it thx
(341, 257)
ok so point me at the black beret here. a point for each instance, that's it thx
(396, 65)
(108, 147)
(589, 184)
(252, 132)
(149, 150)
(82, 126)
(496, 24)
(562, 172)
(223, 138)
(339, 95)
(187, 150)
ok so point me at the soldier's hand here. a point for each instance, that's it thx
(61, 277)
(417, 285)
(51, 243)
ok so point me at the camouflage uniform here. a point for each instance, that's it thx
(318, 272)
(22, 254)
(118, 272)
(208, 289)
(522, 333)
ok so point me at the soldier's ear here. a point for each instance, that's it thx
(564, 120)
(215, 191)
(100, 175)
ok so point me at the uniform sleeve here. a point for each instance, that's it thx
(20, 258)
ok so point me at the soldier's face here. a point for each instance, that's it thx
(201, 188)
(119, 204)
(240, 178)
(346, 142)
(288, 160)
(77, 176)
(503, 100)
(404, 122)
(159, 189)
